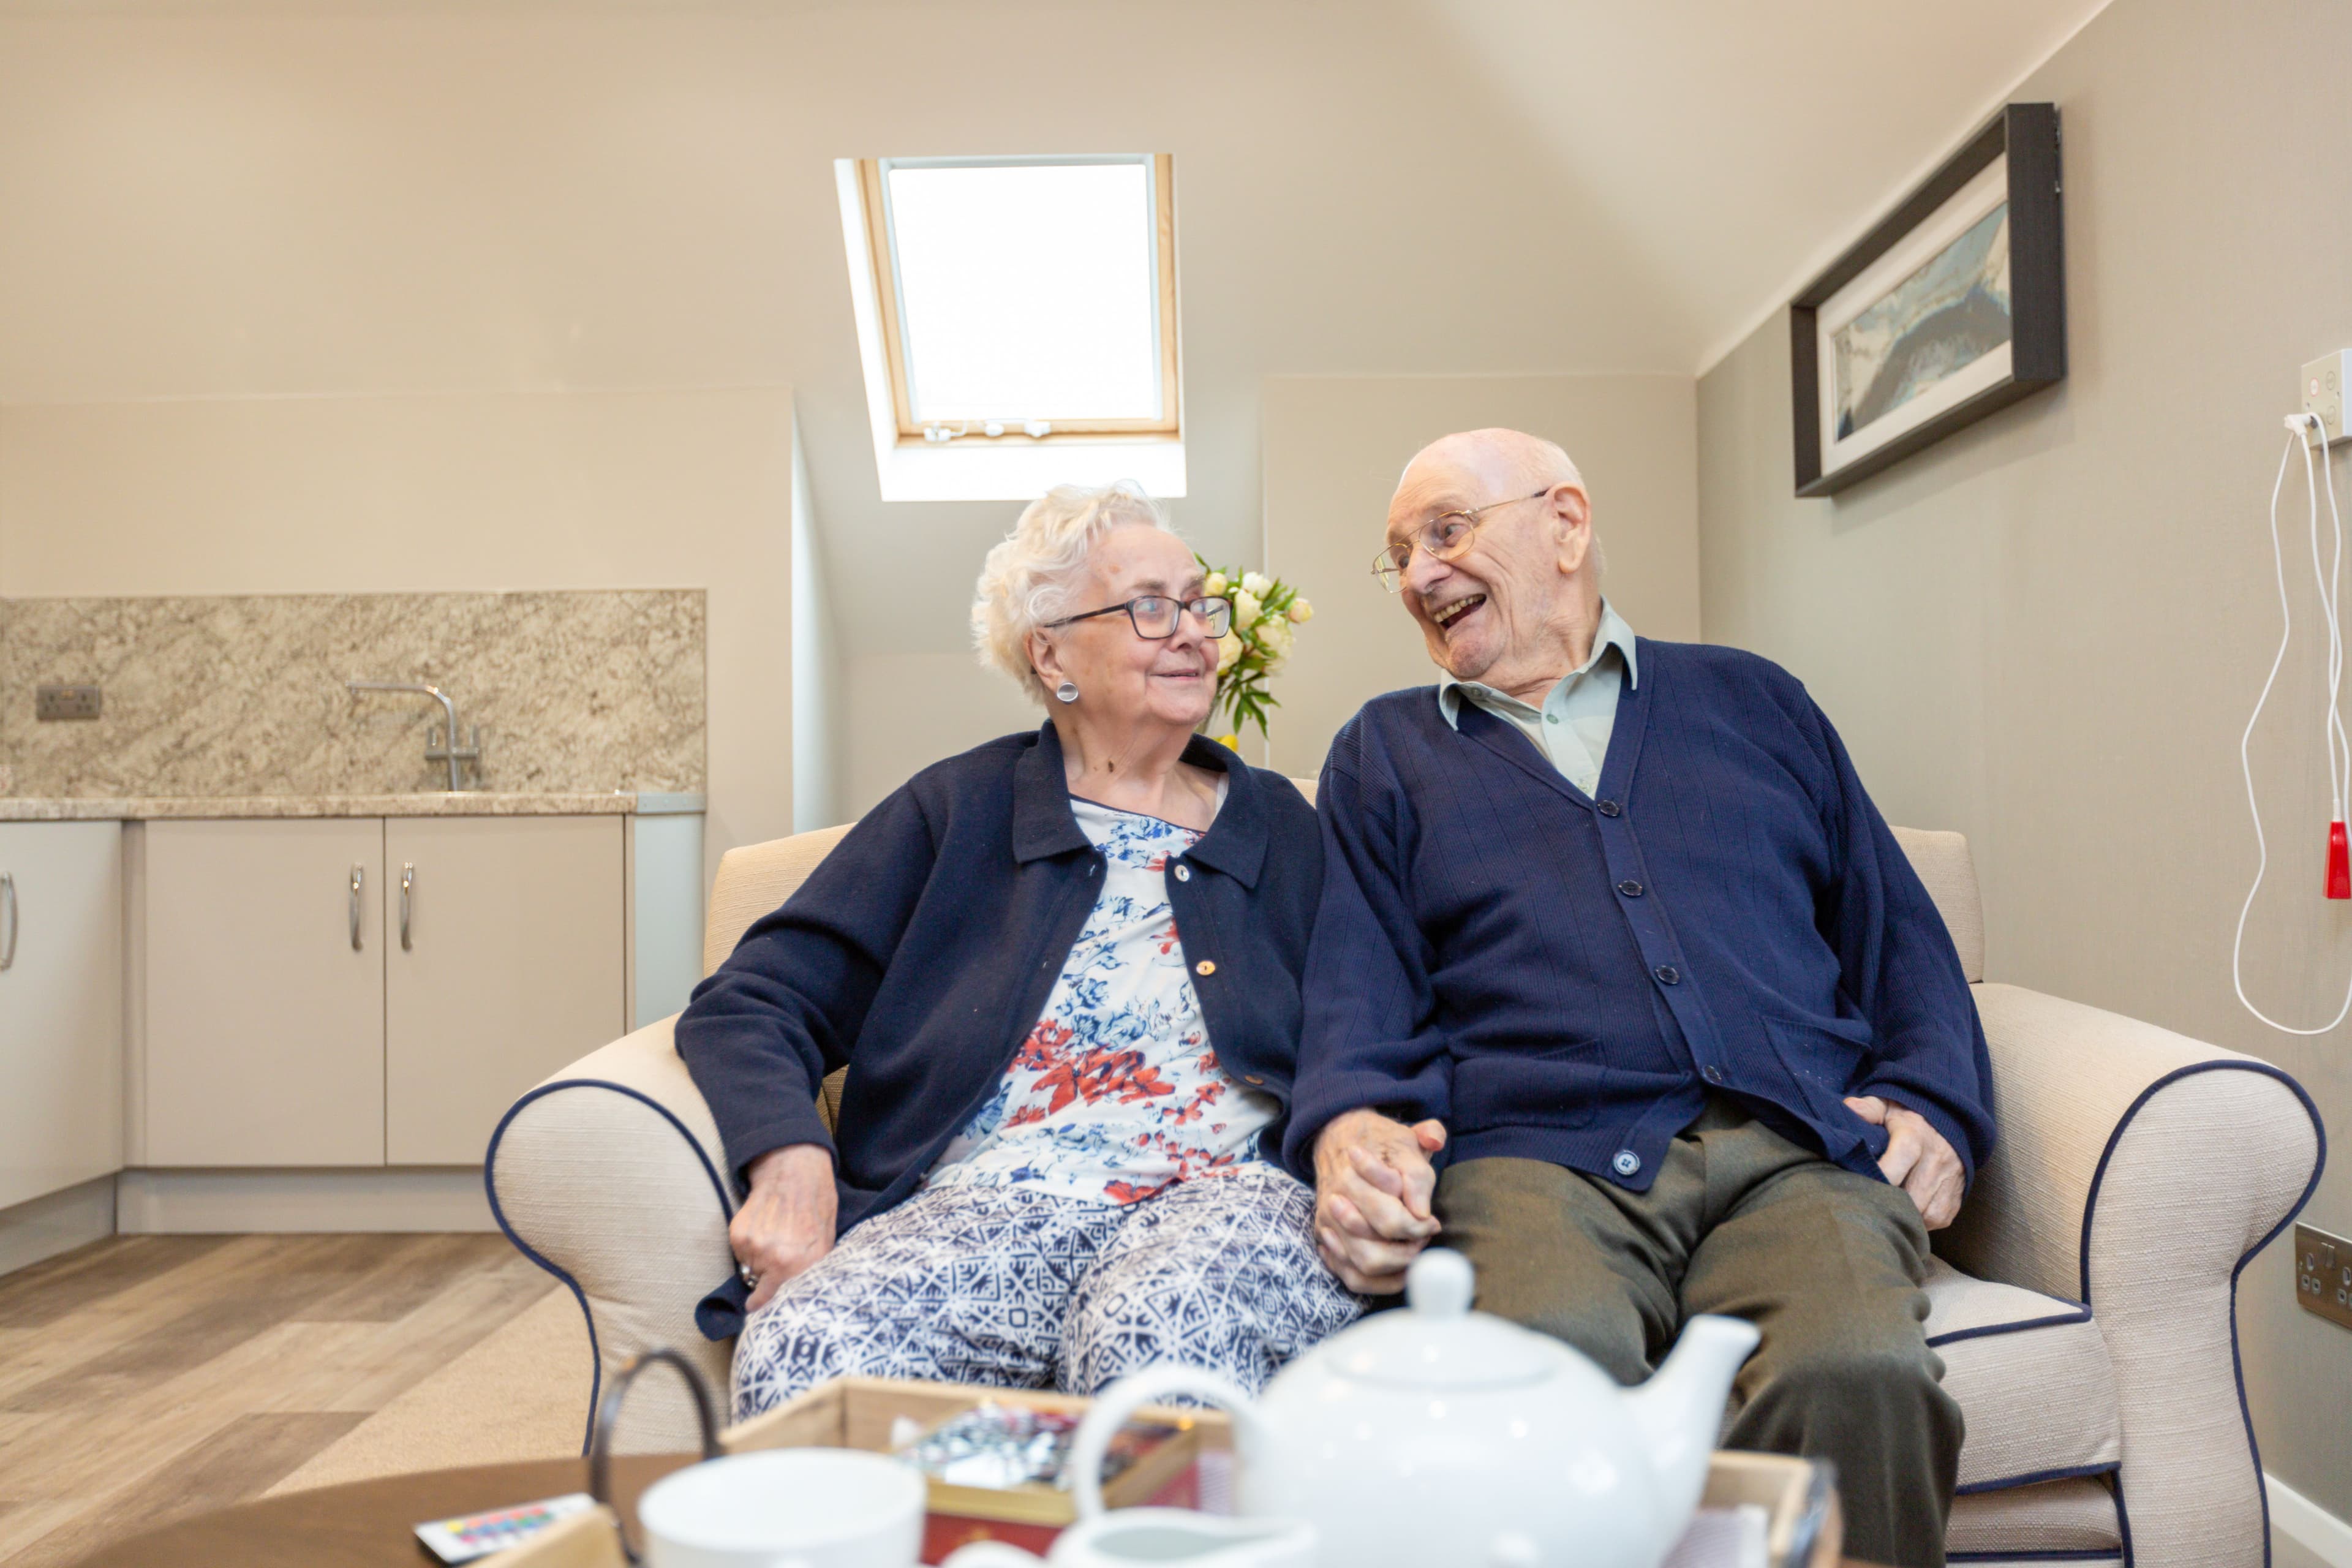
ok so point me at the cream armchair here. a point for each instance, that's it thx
(2084, 1306)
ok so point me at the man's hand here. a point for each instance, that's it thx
(786, 1224)
(1372, 1183)
(1917, 1159)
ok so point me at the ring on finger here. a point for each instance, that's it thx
(749, 1275)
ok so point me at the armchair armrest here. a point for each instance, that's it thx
(2138, 1171)
(608, 1176)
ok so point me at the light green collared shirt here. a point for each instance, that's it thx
(1573, 725)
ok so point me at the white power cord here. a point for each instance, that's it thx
(2301, 428)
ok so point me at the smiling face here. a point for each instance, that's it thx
(1503, 611)
(1121, 678)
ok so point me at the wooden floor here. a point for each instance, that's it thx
(143, 1377)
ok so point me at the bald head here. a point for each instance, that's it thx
(1514, 599)
(1512, 458)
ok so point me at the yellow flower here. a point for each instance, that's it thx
(1230, 742)
(1300, 610)
(1256, 582)
(1246, 610)
(1215, 585)
(1229, 648)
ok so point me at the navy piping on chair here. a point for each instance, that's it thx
(2237, 1363)
(2079, 1554)
(490, 1184)
(2035, 1477)
(2081, 1314)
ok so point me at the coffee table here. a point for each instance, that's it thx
(371, 1524)
(363, 1524)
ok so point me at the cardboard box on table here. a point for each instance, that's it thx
(859, 1412)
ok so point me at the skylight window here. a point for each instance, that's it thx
(1025, 298)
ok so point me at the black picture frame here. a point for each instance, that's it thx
(2027, 134)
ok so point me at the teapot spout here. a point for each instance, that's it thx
(1680, 1409)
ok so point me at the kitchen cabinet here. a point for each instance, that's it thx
(264, 992)
(504, 959)
(370, 992)
(60, 1006)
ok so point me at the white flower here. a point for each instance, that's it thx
(1300, 610)
(1215, 586)
(1256, 582)
(1246, 609)
(1275, 636)
(1229, 648)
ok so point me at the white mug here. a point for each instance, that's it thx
(785, 1507)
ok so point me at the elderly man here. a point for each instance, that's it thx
(1621, 985)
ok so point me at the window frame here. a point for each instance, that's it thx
(881, 253)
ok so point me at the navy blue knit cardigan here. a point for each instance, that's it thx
(922, 948)
(1566, 977)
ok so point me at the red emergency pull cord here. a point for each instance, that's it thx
(2339, 863)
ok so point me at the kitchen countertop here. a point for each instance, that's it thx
(466, 803)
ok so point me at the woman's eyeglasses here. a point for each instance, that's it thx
(1156, 616)
(1441, 538)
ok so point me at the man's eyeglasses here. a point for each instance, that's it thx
(1441, 538)
(1155, 616)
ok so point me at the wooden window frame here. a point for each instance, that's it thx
(881, 256)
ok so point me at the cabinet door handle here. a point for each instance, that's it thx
(407, 880)
(8, 903)
(359, 879)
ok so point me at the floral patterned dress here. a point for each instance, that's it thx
(1115, 1094)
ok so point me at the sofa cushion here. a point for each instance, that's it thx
(2032, 1377)
(2074, 1520)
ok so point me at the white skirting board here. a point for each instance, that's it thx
(211, 1202)
(2297, 1521)
(58, 1222)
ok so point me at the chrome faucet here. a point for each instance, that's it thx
(434, 750)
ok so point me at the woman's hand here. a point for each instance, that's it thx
(1372, 1185)
(786, 1224)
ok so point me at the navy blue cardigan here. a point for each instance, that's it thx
(1566, 977)
(923, 947)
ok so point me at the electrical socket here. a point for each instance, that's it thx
(2322, 1274)
(51, 703)
(2323, 388)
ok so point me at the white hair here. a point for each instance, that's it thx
(1027, 580)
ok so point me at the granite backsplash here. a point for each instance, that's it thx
(243, 695)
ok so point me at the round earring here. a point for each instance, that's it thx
(1067, 692)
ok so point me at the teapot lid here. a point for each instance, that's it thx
(1438, 1341)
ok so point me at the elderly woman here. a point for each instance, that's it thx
(1063, 970)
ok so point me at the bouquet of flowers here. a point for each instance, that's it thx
(1268, 613)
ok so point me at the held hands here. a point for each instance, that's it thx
(787, 1223)
(1372, 1185)
(1917, 1159)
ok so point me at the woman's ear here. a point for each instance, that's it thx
(1045, 659)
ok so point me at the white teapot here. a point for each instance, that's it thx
(1441, 1436)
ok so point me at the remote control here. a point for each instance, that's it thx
(479, 1534)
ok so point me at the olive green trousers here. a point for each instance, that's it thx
(1741, 1221)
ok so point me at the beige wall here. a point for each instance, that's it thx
(450, 491)
(2048, 630)
(1334, 447)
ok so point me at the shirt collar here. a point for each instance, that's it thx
(1613, 632)
(1043, 824)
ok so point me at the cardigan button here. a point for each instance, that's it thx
(1668, 974)
(1183, 873)
(1626, 1164)
(1629, 888)
(1611, 809)
(1712, 1073)
(1205, 967)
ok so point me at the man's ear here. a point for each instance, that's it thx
(1571, 521)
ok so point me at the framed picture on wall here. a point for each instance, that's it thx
(1953, 306)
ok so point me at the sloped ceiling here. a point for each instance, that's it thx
(287, 197)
